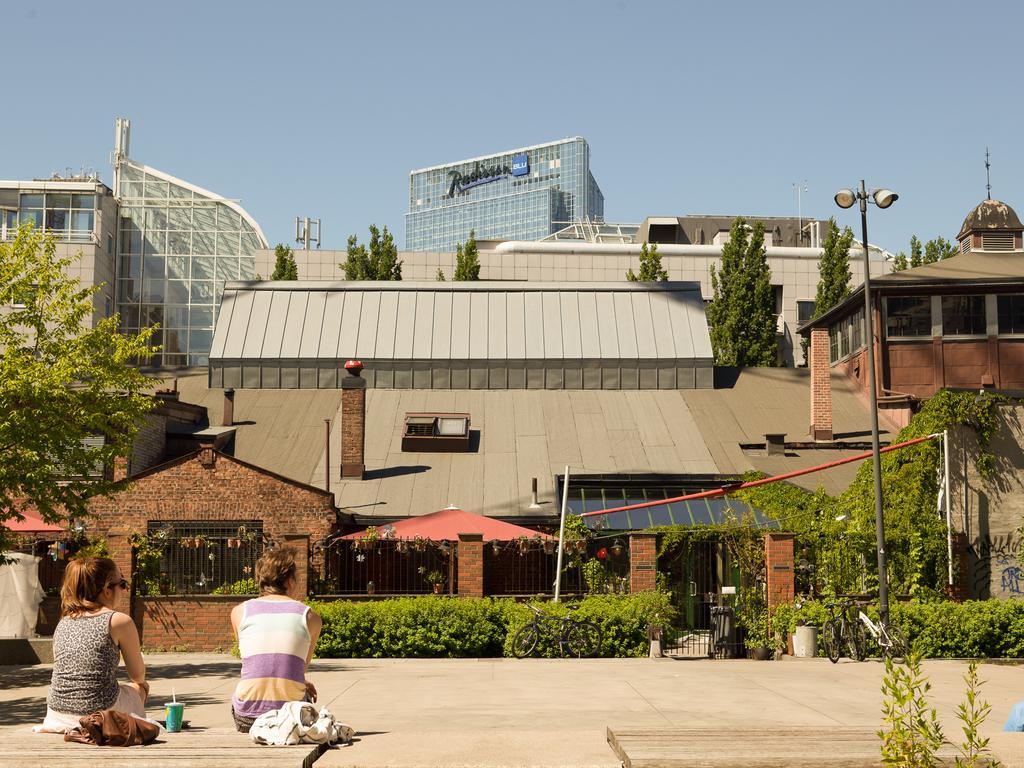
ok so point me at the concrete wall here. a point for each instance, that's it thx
(989, 512)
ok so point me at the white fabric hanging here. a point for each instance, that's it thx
(20, 595)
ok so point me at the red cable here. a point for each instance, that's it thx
(763, 481)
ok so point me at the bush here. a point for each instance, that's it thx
(240, 587)
(973, 629)
(441, 627)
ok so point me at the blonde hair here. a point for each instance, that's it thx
(84, 580)
(274, 569)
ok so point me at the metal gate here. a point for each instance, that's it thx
(703, 581)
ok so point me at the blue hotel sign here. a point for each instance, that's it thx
(459, 183)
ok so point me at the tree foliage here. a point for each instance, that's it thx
(741, 316)
(285, 267)
(934, 250)
(650, 266)
(439, 276)
(61, 381)
(833, 269)
(379, 261)
(467, 261)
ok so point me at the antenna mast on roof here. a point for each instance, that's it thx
(122, 138)
(304, 232)
(988, 177)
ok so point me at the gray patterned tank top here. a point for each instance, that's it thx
(84, 665)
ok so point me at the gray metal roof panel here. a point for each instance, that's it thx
(312, 325)
(276, 317)
(294, 325)
(331, 330)
(495, 321)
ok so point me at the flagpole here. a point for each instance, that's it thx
(561, 534)
(949, 515)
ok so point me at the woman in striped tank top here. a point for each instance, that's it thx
(276, 637)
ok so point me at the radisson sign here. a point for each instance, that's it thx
(460, 182)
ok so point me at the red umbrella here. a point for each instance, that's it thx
(447, 524)
(31, 524)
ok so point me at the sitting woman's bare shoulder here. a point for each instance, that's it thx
(119, 620)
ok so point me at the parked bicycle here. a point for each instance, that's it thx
(575, 637)
(843, 627)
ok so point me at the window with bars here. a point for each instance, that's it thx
(1011, 313)
(908, 316)
(963, 315)
(202, 557)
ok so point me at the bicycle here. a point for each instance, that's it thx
(839, 628)
(580, 638)
(889, 637)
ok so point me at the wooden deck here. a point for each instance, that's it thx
(192, 748)
(840, 747)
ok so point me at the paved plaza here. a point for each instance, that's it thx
(535, 712)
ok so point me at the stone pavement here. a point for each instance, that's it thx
(536, 712)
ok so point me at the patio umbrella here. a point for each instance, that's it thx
(31, 524)
(447, 524)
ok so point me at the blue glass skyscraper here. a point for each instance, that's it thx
(522, 194)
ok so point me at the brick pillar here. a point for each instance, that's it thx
(961, 589)
(120, 550)
(299, 542)
(471, 564)
(821, 385)
(778, 558)
(643, 562)
(353, 421)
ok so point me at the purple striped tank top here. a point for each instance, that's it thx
(273, 641)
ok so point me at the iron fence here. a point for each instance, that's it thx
(389, 567)
(529, 567)
(198, 557)
(707, 629)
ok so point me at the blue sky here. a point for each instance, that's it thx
(322, 109)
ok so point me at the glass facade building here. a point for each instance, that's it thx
(523, 194)
(177, 245)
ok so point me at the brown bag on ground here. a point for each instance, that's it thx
(110, 728)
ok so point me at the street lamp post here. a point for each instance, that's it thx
(883, 198)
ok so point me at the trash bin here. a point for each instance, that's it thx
(723, 632)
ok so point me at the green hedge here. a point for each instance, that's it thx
(443, 627)
(972, 629)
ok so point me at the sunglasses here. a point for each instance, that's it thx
(123, 584)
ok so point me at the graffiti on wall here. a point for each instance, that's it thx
(995, 566)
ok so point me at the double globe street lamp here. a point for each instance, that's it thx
(883, 198)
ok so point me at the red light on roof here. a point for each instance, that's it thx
(353, 367)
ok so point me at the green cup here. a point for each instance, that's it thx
(174, 713)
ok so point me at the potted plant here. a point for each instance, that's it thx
(524, 544)
(495, 547)
(549, 547)
(419, 544)
(436, 579)
(370, 587)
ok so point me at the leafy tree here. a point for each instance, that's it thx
(285, 267)
(440, 275)
(938, 249)
(650, 266)
(833, 269)
(934, 250)
(60, 382)
(741, 315)
(467, 262)
(916, 259)
(378, 262)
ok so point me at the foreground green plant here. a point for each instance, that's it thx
(911, 734)
(972, 712)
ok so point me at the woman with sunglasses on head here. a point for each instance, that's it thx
(88, 642)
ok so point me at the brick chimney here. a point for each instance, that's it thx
(353, 421)
(229, 408)
(821, 386)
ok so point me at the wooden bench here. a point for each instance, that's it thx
(192, 748)
(839, 747)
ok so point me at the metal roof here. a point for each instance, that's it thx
(484, 322)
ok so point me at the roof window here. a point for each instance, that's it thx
(436, 433)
